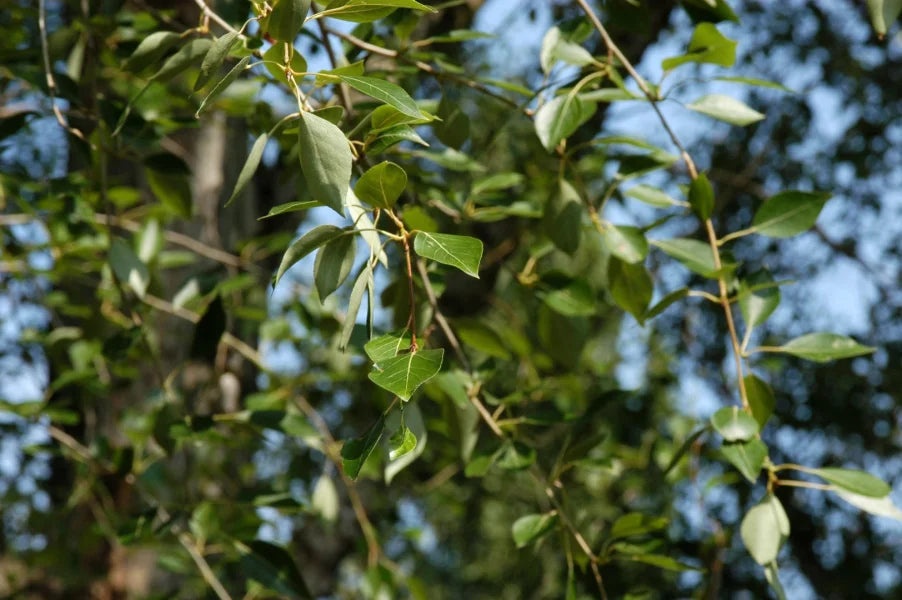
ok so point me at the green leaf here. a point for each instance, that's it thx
(756, 82)
(882, 507)
(555, 48)
(709, 10)
(333, 264)
(477, 334)
(214, 58)
(328, 76)
(632, 524)
(857, 482)
(883, 14)
(823, 347)
(707, 45)
(684, 448)
(734, 424)
(563, 218)
(128, 268)
(223, 83)
(151, 49)
(748, 457)
(626, 243)
(324, 499)
(310, 241)
(250, 167)
(516, 456)
(403, 374)
(693, 254)
(459, 251)
(347, 327)
(402, 442)
(630, 286)
(391, 136)
(382, 185)
(365, 227)
(662, 304)
(575, 299)
(701, 197)
(496, 183)
(415, 428)
(274, 61)
(651, 195)
(530, 528)
(325, 159)
(355, 452)
(560, 117)
(726, 109)
(387, 346)
(454, 127)
(365, 11)
(188, 55)
(385, 117)
(761, 398)
(169, 180)
(660, 561)
(387, 92)
(288, 207)
(272, 567)
(772, 574)
(789, 213)
(764, 528)
(758, 297)
(287, 19)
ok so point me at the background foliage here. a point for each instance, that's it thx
(198, 402)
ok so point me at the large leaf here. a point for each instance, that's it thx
(459, 251)
(764, 528)
(563, 218)
(273, 567)
(403, 374)
(789, 213)
(325, 159)
(382, 185)
(529, 528)
(823, 347)
(560, 117)
(287, 19)
(333, 264)
(747, 457)
(387, 346)
(387, 92)
(734, 424)
(355, 452)
(725, 108)
(310, 241)
(364, 11)
(857, 482)
(707, 45)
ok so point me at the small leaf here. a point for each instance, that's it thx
(391, 136)
(529, 528)
(325, 159)
(403, 374)
(365, 227)
(684, 448)
(560, 117)
(223, 83)
(416, 429)
(758, 297)
(272, 567)
(761, 398)
(365, 11)
(660, 561)
(789, 213)
(333, 264)
(626, 242)
(477, 334)
(250, 167)
(310, 241)
(556, 48)
(632, 524)
(287, 19)
(151, 49)
(354, 302)
(857, 482)
(882, 507)
(188, 55)
(707, 45)
(516, 456)
(662, 304)
(382, 185)
(883, 14)
(693, 254)
(772, 574)
(756, 82)
(748, 457)
(214, 58)
(387, 346)
(128, 268)
(651, 195)
(288, 207)
(391, 94)
(563, 218)
(701, 197)
(324, 499)
(764, 528)
(459, 251)
(734, 424)
(274, 61)
(824, 347)
(630, 286)
(726, 109)
(402, 442)
(355, 452)
(575, 299)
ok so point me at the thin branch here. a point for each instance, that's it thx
(440, 317)
(208, 13)
(203, 566)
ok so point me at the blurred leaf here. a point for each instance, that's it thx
(789, 213)
(764, 528)
(530, 528)
(287, 18)
(128, 267)
(626, 242)
(701, 197)
(273, 567)
(761, 398)
(324, 499)
(560, 117)
(630, 286)
(734, 424)
(725, 108)
(707, 45)
(823, 347)
(214, 58)
(748, 457)
(857, 482)
(355, 452)
(333, 264)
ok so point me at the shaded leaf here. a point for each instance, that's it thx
(459, 251)
(734, 424)
(529, 528)
(324, 499)
(758, 298)
(701, 197)
(761, 398)
(128, 268)
(333, 264)
(325, 159)
(560, 117)
(748, 457)
(662, 304)
(355, 452)
(626, 242)
(272, 567)
(151, 49)
(563, 218)
(406, 453)
(635, 523)
(223, 83)
(214, 58)
(310, 241)
(630, 286)
(249, 167)
(287, 18)
(575, 299)
(707, 45)
(381, 185)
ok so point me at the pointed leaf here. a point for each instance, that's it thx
(563, 218)
(857, 482)
(748, 457)
(789, 213)
(758, 298)
(364, 225)
(529, 528)
(150, 50)
(662, 304)
(824, 347)
(761, 398)
(225, 82)
(882, 507)
(701, 197)
(402, 442)
(764, 528)
(734, 424)
(883, 14)
(356, 298)
(726, 109)
(355, 452)
(333, 264)
(695, 255)
(626, 242)
(406, 453)
(459, 251)
(188, 55)
(772, 574)
(560, 117)
(310, 241)
(387, 346)
(630, 286)
(288, 207)
(214, 58)
(632, 524)
(128, 267)
(287, 18)
(365, 11)
(250, 167)
(707, 45)
(325, 159)
(382, 185)
(391, 94)
(402, 375)
(651, 195)
(272, 566)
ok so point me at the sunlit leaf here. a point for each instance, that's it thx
(403, 374)
(459, 251)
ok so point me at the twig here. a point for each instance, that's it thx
(440, 317)
(203, 566)
(208, 13)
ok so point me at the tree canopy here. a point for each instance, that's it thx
(467, 299)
